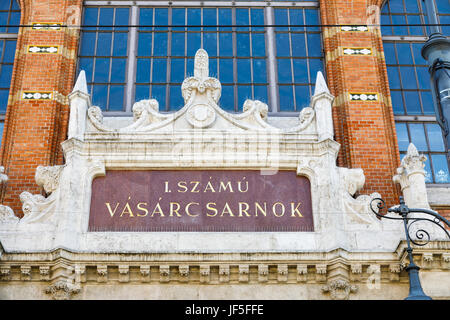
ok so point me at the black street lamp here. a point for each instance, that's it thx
(437, 52)
(415, 288)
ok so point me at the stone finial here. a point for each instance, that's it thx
(321, 85)
(3, 176)
(81, 84)
(411, 177)
(321, 102)
(201, 64)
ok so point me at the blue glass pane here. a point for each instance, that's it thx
(86, 64)
(284, 71)
(2, 124)
(408, 78)
(402, 136)
(194, 18)
(243, 44)
(5, 76)
(101, 70)
(418, 136)
(412, 6)
(104, 44)
(257, 17)
(445, 20)
(282, 40)
(443, 6)
(3, 101)
(5, 5)
(14, 20)
(314, 45)
(312, 18)
(10, 51)
(106, 18)
(394, 80)
(260, 93)
(178, 18)
(161, 18)
(159, 70)
(417, 48)
(88, 44)
(440, 167)
(2, 42)
(435, 139)
(90, 16)
(142, 93)
(194, 42)
(227, 98)
(296, 18)
(121, 19)
(213, 68)
(244, 93)
(281, 18)
(244, 71)
(159, 93)
(177, 70)
(404, 53)
(120, 44)
(177, 44)
(302, 97)
(315, 65)
(189, 67)
(100, 96)
(225, 19)
(427, 101)
(3, 21)
(118, 67)
(397, 102)
(161, 48)
(412, 102)
(145, 44)
(298, 45)
(300, 71)
(225, 40)
(209, 19)
(15, 5)
(259, 71)
(402, 21)
(226, 70)
(415, 28)
(424, 78)
(385, 20)
(286, 98)
(143, 71)
(396, 6)
(428, 175)
(116, 94)
(176, 100)
(242, 19)
(258, 45)
(389, 53)
(210, 43)
(145, 18)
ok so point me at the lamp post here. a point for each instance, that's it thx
(415, 288)
(437, 53)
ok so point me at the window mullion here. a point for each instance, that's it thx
(271, 60)
(131, 72)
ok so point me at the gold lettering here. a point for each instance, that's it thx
(296, 210)
(166, 189)
(194, 189)
(225, 186)
(239, 186)
(209, 207)
(274, 210)
(142, 209)
(173, 210)
(242, 210)
(209, 187)
(182, 184)
(159, 211)
(129, 212)
(227, 209)
(187, 209)
(109, 208)
(258, 207)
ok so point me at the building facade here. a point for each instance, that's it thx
(96, 89)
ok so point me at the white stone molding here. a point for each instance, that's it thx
(205, 272)
(263, 272)
(25, 273)
(124, 273)
(184, 272)
(79, 101)
(62, 290)
(339, 289)
(282, 272)
(244, 272)
(164, 273)
(44, 272)
(48, 177)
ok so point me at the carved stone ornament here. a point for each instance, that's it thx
(62, 290)
(48, 177)
(339, 289)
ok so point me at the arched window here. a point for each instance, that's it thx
(9, 21)
(275, 65)
(409, 81)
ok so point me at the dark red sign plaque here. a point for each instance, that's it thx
(201, 201)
